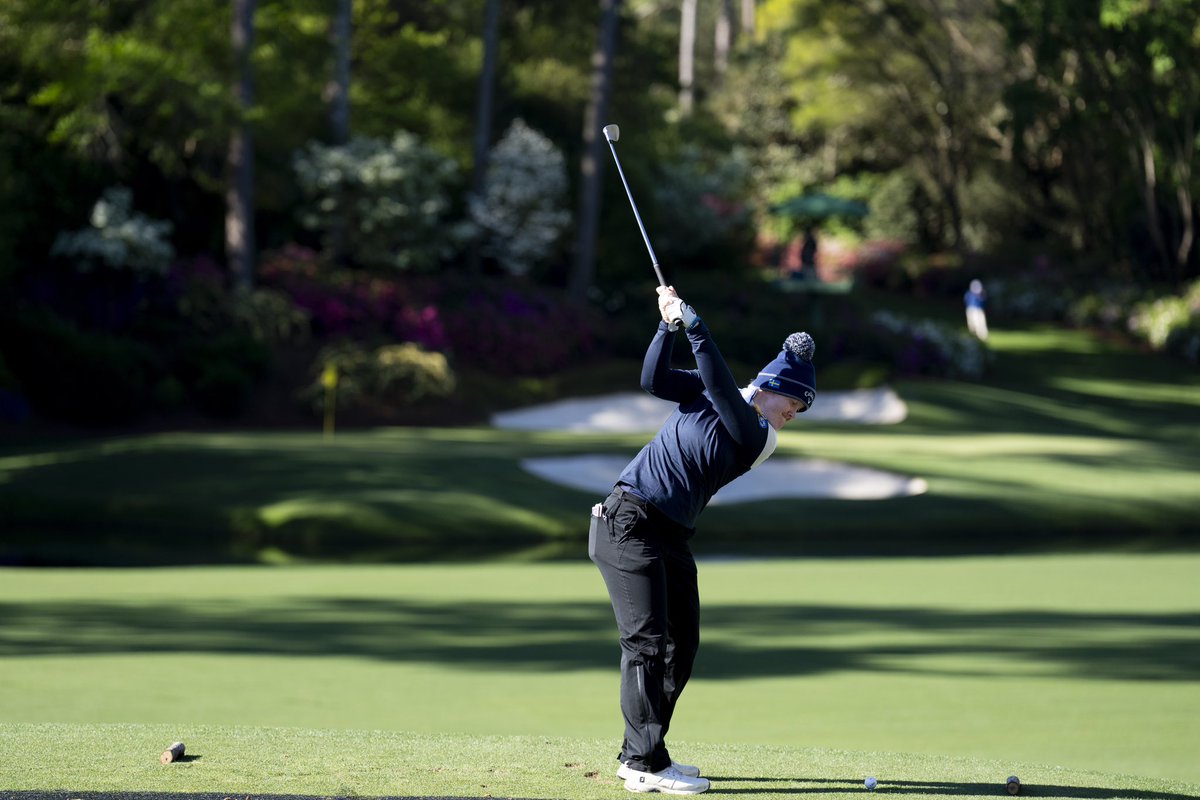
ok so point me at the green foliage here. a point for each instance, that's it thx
(967, 125)
(925, 347)
(909, 86)
(416, 68)
(74, 375)
(220, 372)
(1105, 307)
(266, 315)
(1030, 296)
(700, 218)
(754, 104)
(380, 377)
(1171, 323)
(893, 209)
(1112, 83)
(387, 205)
(140, 81)
(993, 210)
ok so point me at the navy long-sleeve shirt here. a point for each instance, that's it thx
(713, 436)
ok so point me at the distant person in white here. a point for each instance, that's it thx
(976, 302)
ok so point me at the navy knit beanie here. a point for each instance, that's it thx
(792, 372)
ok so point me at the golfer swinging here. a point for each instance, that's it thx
(639, 534)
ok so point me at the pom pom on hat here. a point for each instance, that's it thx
(792, 373)
(801, 345)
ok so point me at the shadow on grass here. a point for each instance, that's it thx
(61, 795)
(802, 786)
(794, 787)
(740, 642)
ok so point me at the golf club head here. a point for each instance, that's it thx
(612, 133)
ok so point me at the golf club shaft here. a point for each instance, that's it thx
(645, 237)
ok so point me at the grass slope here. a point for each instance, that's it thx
(121, 760)
(1068, 444)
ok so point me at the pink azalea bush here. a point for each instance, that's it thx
(500, 326)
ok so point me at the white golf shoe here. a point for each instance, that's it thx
(667, 781)
(624, 771)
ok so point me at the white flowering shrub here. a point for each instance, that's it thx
(384, 204)
(522, 214)
(923, 347)
(119, 238)
(1171, 323)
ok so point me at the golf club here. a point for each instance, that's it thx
(612, 133)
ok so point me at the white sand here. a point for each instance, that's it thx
(631, 412)
(782, 477)
(778, 477)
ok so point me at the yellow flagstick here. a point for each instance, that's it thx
(329, 379)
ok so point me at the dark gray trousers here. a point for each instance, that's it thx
(650, 573)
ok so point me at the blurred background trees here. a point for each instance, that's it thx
(302, 173)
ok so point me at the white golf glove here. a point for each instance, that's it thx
(674, 311)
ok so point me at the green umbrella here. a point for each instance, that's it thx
(819, 206)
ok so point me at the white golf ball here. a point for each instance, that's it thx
(870, 783)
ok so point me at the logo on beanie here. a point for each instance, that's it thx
(809, 396)
(773, 383)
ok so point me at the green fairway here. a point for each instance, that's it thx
(112, 762)
(1086, 662)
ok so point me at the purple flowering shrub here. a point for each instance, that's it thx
(345, 303)
(496, 325)
(518, 331)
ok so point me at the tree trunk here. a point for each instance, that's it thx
(1143, 157)
(338, 94)
(583, 273)
(724, 37)
(239, 193)
(483, 113)
(1184, 153)
(1187, 237)
(687, 56)
(747, 17)
(487, 93)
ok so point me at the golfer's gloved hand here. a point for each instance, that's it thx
(674, 311)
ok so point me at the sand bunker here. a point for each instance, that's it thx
(634, 412)
(631, 412)
(782, 477)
